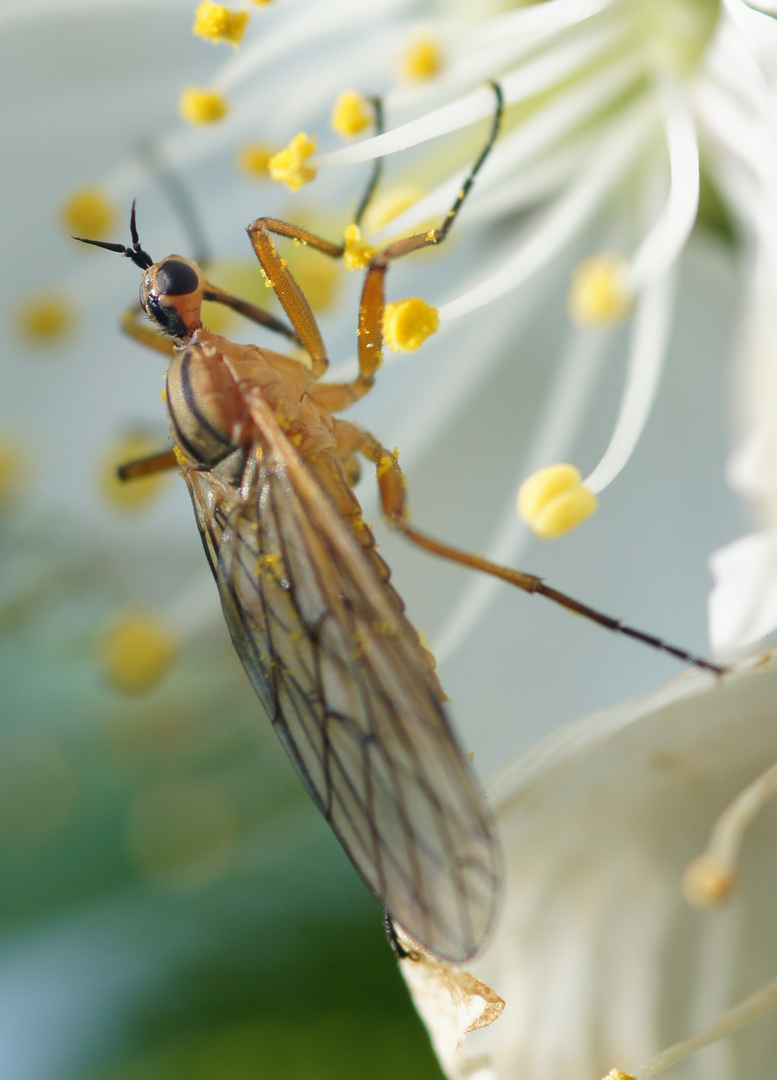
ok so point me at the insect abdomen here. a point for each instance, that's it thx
(208, 416)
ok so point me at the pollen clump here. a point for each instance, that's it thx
(88, 212)
(408, 323)
(288, 165)
(45, 319)
(198, 106)
(216, 23)
(351, 115)
(133, 494)
(422, 59)
(616, 1074)
(552, 501)
(358, 252)
(138, 651)
(707, 882)
(253, 160)
(599, 294)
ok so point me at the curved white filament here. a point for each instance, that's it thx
(669, 234)
(533, 77)
(610, 160)
(650, 334)
(547, 127)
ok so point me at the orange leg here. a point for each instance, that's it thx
(335, 397)
(147, 466)
(250, 311)
(372, 306)
(393, 497)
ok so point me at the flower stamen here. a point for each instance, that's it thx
(408, 323)
(709, 879)
(728, 1023)
(216, 23)
(615, 151)
(553, 501)
(290, 164)
(534, 78)
(646, 360)
(667, 238)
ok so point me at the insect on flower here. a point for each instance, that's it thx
(318, 626)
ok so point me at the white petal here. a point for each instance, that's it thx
(742, 607)
(598, 959)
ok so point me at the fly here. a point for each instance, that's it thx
(320, 630)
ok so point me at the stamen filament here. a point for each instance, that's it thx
(320, 21)
(534, 184)
(609, 161)
(566, 404)
(669, 234)
(575, 107)
(547, 18)
(650, 333)
(709, 878)
(731, 1021)
(530, 79)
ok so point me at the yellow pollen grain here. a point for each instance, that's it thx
(179, 457)
(552, 501)
(45, 319)
(288, 165)
(421, 59)
(408, 323)
(198, 106)
(253, 160)
(616, 1074)
(351, 115)
(130, 494)
(358, 252)
(88, 212)
(385, 465)
(215, 23)
(138, 652)
(599, 293)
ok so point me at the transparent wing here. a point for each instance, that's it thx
(340, 672)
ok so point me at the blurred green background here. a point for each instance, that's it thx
(172, 904)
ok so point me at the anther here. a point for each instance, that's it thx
(289, 165)
(553, 501)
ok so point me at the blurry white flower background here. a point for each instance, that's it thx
(610, 108)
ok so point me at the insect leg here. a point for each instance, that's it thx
(336, 396)
(250, 311)
(392, 488)
(288, 292)
(397, 947)
(147, 466)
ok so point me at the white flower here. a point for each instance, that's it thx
(610, 107)
(500, 391)
(599, 960)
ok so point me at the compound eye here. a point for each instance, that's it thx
(176, 278)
